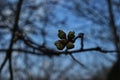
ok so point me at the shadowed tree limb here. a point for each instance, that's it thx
(57, 53)
(115, 70)
(9, 51)
(10, 68)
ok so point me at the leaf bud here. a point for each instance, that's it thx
(59, 45)
(61, 34)
(71, 35)
(70, 45)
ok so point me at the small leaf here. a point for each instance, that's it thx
(70, 45)
(63, 41)
(71, 35)
(59, 45)
(61, 34)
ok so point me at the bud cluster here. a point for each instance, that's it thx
(65, 40)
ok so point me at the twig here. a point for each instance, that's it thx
(98, 49)
(77, 61)
(10, 67)
(82, 39)
(54, 53)
(3, 63)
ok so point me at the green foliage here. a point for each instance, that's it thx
(64, 41)
(70, 45)
(61, 34)
(71, 35)
(59, 45)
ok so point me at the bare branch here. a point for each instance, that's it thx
(57, 53)
(9, 51)
(10, 68)
(77, 61)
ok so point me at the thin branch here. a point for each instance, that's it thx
(10, 67)
(18, 11)
(81, 36)
(77, 61)
(113, 25)
(3, 63)
(98, 49)
(24, 51)
(54, 53)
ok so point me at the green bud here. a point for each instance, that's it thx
(61, 34)
(70, 45)
(63, 41)
(59, 45)
(71, 35)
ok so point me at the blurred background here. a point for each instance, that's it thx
(40, 21)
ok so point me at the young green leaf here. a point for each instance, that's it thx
(59, 45)
(61, 34)
(63, 41)
(70, 45)
(71, 35)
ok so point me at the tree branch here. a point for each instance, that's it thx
(10, 68)
(77, 61)
(9, 51)
(41, 52)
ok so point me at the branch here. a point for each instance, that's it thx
(98, 49)
(10, 68)
(40, 52)
(9, 51)
(77, 61)
(23, 51)
(3, 63)
(113, 25)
